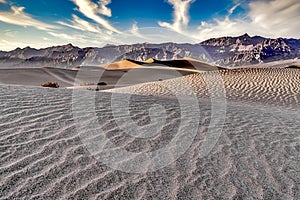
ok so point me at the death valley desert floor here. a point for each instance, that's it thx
(256, 156)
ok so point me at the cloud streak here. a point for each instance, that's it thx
(180, 15)
(17, 16)
(62, 36)
(92, 11)
(275, 18)
(268, 18)
(104, 10)
(135, 31)
(80, 24)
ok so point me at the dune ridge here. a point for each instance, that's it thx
(180, 64)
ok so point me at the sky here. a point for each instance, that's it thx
(43, 23)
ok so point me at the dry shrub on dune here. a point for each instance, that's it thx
(51, 85)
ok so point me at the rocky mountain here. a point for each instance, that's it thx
(245, 50)
(224, 51)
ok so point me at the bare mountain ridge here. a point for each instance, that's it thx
(244, 50)
(224, 51)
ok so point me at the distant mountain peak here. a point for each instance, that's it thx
(110, 45)
(223, 51)
(69, 45)
(246, 35)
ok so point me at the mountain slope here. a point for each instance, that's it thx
(224, 51)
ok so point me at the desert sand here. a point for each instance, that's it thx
(123, 65)
(267, 85)
(181, 64)
(256, 156)
(89, 76)
(64, 77)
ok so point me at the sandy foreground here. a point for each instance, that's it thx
(45, 141)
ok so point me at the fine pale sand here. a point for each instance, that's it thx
(255, 157)
(268, 85)
(122, 65)
(183, 64)
(86, 76)
(64, 77)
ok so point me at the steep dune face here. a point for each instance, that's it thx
(294, 66)
(184, 63)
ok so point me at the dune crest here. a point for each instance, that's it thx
(122, 65)
(184, 63)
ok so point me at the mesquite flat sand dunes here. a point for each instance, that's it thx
(255, 157)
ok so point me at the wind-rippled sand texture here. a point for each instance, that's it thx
(276, 86)
(256, 156)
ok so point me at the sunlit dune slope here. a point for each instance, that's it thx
(183, 64)
(123, 65)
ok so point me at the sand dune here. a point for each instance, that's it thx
(186, 63)
(274, 64)
(64, 77)
(43, 157)
(37, 76)
(123, 65)
(44, 144)
(87, 75)
(150, 60)
(267, 85)
(182, 64)
(294, 66)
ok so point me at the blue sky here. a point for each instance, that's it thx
(98, 22)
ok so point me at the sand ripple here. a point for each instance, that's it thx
(270, 85)
(256, 157)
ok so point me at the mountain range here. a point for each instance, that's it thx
(224, 51)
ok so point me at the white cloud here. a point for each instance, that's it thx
(281, 17)
(225, 26)
(104, 10)
(80, 24)
(233, 9)
(150, 35)
(17, 16)
(92, 11)
(269, 18)
(135, 31)
(10, 45)
(276, 18)
(82, 40)
(46, 39)
(180, 15)
(2, 1)
(62, 36)
(10, 33)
